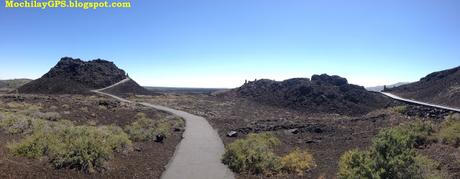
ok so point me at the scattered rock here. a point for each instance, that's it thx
(137, 149)
(109, 104)
(159, 138)
(293, 131)
(312, 140)
(232, 134)
(426, 111)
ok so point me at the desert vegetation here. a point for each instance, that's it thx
(41, 132)
(326, 136)
(393, 154)
(399, 109)
(144, 128)
(69, 146)
(298, 161)
(63, 143)
(449, 132)
(255, 155)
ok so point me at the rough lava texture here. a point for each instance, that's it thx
(323, 93)
(74, 76)
(442, 87)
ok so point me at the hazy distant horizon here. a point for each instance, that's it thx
(220, 44)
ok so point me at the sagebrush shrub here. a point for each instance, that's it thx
(142, 129)
(392, 154)
(298, 161)
(145, 128)
(253, 154)
(355, 164)
(16, 123)
(69, 146)
(163, 127)
(449, 132)
(429, 168)
(399, 109)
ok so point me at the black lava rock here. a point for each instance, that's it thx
(324, 93)
(74, 76)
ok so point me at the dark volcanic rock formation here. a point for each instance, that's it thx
(323, 93)
(442, 87)
(127, 88)
(74, 76)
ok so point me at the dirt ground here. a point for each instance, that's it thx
(327, 136)
(148, 160)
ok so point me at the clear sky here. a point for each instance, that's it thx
(220, 43)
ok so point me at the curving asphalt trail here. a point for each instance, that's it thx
(420, 103)
(198, 154)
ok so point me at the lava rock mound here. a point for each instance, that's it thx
(128, 88)
(323, 93)
(74, 76)
(442, 87)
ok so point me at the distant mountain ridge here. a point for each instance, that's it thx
(184, 90)
(323, 93)
(74, 76)
(441, 87)
(13, 84)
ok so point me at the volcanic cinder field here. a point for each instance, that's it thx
(90, 120)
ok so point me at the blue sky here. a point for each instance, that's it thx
(220, 43)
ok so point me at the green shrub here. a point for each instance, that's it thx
(145, 128)
(142, 129)
(392, 154)
(51, 116)
(253, 154)
(449, 132)
(298, 161)
(163, 127)
(178, 122)
(429, 168)
(399, 109)
(23, 106)
(15, 123)
(355, 164)
(69, 146)
(420, 130)
(117, 139)
(33, 146)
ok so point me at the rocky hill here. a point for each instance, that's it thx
(74, 76)
(323, 93)
(442, 87)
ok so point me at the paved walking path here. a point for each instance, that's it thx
(198, 154)
(420, 103)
